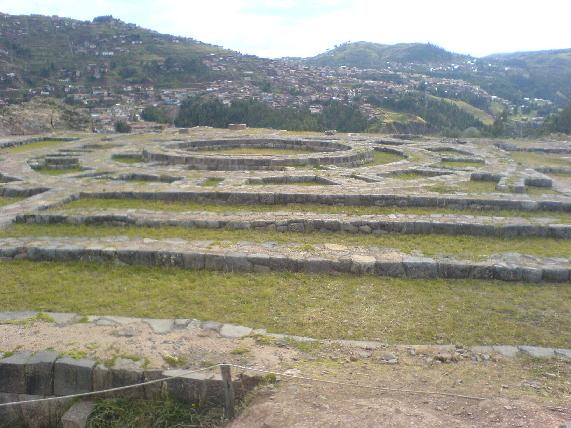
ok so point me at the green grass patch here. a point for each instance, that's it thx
(459, 164)
(539, 159)
(466, 187)
(126, 159)
(409, 176)
(394, 310)
(9, 200)
(383, 158)
(458, 246)
(258, 151)
(34, 146)
(212, 182)
(63, 171)
(182, 206)
(130, 413)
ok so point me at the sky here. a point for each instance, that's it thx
(277, 28)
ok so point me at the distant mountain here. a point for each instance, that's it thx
(541, 74)
(375, 55)
(513, 76)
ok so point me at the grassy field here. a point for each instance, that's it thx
(212, 182)
(181, 206)
(538, 159)
(5, 200)
(50, 171)
(382, 158)
(460, 164)
(460, 246)
(34, 146)
(341, 306)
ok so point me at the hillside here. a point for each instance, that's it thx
(513, 76)
(107, 52)
(374, 55)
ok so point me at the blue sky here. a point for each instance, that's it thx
(274, 28)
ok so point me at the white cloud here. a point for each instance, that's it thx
(302, 27)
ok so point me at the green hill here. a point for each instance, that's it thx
(104, 52)
(374, 55)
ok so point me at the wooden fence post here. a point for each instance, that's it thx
(228, 391)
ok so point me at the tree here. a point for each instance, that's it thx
(122, 127)
(154, 114)
(561, 122)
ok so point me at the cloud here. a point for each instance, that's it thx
(274, 28)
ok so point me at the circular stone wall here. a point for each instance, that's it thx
(320, 152)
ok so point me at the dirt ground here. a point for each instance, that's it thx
(519, 392)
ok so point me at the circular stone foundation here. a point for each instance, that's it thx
(318, 152)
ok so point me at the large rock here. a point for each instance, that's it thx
(77, 415)
(73, 376)
(232, 331)
(13, 373)
(40, 373)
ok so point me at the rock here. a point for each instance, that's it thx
(537, 352)
(232, 331)
(40, 373)
(13, 373)
(444, 357)
(388, 358)
(73, 376)
(564, 353)
(62, 318)
(506, 351)
(77, 415)
(180, 323)
(211, 325)
(104, 322)
(160, 326)
(124, 332)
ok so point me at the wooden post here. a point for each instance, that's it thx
(228, 391)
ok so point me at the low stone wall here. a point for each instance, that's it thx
(449, 225)
(269, 143)
(148, 177)
(22, 192)
(292, 179)
(16, 143)
(355, 199)
(252, 257)
(26, 375)
(215, 162)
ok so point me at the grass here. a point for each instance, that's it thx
(409, 176)
(259, 151)
(182, 206)
(212, 182)
(289, 183)
(34, 146)
(469, 186)
(538, 159)
(460, 164)
(9, 200)
(126, 159)
(458, 246)
(50, 171)
(383, 158)
(129, 413)
(393, 310)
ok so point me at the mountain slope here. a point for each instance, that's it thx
(375, 55)
(36, 50)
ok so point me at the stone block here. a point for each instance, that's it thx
(232, 331)
(73, 376)
(40, 373)
(13, 373)
(78, 415)
(420, 267)
(537, 352)
(506, 350)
